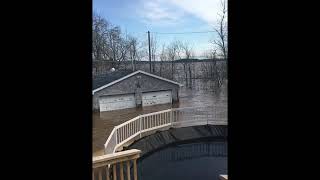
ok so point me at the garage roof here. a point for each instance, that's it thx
(117, 76)
(108, 78)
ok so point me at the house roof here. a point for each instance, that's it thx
(115, 77)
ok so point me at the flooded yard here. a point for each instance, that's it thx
(203, 94)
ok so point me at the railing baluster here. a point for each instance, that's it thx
(121, 171)
(128, 170)
(119, 135)
(114, 168)
(146, 122)
(132, 127)
(127, 129)
(122, 134)
(107, 173)
(116, 136)
(152, 121)
(130, 131)
(100, 173)
(135, 174)
(162, 118)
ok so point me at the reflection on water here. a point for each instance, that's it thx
(203, 93)
(202, 160)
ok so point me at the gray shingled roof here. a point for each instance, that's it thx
(108, 78)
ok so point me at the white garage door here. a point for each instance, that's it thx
(109, 103)
(153, 98)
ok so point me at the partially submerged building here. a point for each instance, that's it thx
(126, 89)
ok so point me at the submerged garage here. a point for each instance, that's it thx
(116, 102)
(124, 89)
(158, 97)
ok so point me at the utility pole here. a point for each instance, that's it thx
(149, 50)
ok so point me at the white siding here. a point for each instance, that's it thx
(109, 103)
(159, 97)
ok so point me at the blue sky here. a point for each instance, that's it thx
(136, 17)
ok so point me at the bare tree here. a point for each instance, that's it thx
(132, 50)
(153, 47)
(188, 53)
(222, 31)
(163, 57)
(99, 37)
(172, 50)
(112, 46)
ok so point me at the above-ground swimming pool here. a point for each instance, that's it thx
(170, 155)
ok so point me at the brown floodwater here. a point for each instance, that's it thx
(202, 94)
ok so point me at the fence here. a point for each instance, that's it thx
(176, 117)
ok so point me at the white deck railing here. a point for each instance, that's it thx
(103, 165)
(176, 117)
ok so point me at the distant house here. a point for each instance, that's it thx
(127, 89)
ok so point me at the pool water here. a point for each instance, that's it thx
(202, 160)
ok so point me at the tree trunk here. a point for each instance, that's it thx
(190, 83)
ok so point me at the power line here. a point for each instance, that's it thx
(182, 32)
